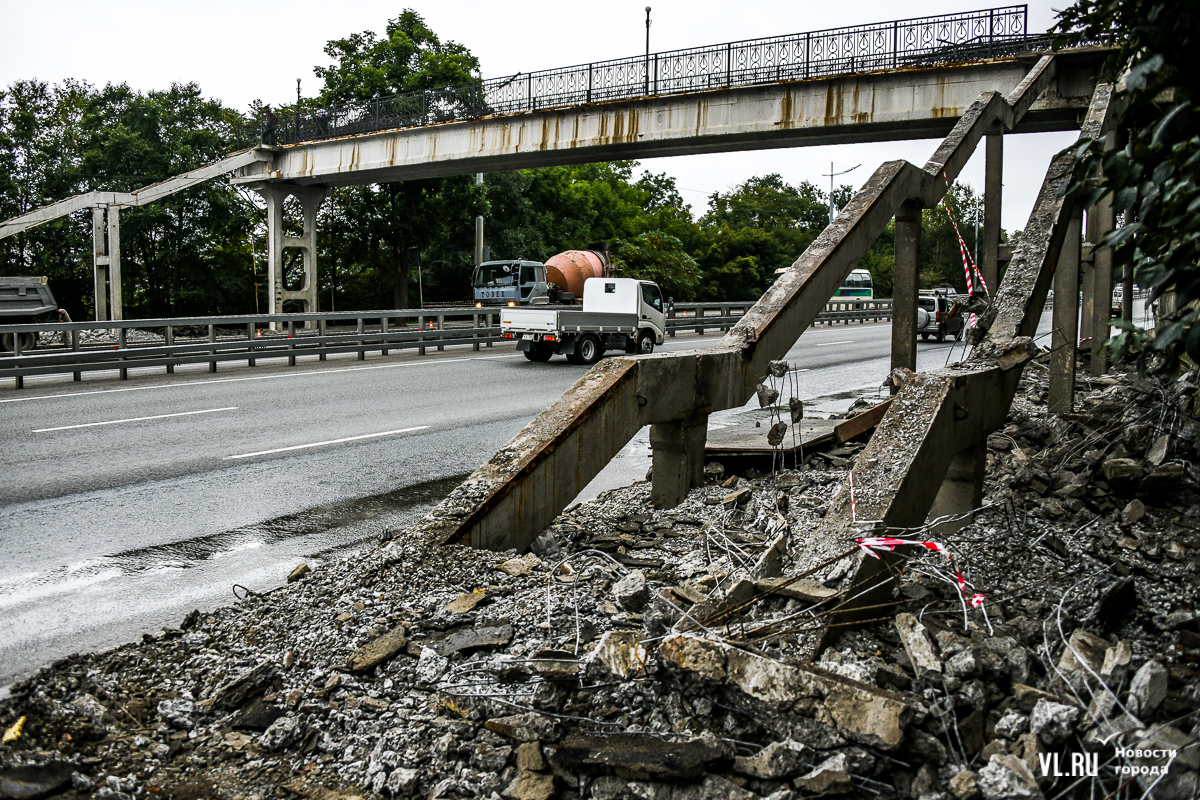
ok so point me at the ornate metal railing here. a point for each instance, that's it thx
(951, 38)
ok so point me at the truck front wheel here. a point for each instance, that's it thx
(28, 342)
(645, 342)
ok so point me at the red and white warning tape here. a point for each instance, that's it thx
(869, 546)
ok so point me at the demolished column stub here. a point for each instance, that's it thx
(678, 386)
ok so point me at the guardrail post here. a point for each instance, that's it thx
(907, 283)
(490, 325)
(20, 379)
(383, 329)
(441, 326)
(321, 329)
(362, 344)
(122, 338)
(291, 342)
(475, 317)
(212, 337)
(725, 311)
(169, 339)
(250, 331)
(1065, 337)
(421, 327)
(75, 376)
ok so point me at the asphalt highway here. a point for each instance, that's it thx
(125, 504)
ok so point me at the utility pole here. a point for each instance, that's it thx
(831, 177)
(297, 94)
(647, 49)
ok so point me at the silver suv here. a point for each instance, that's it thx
(938, 316)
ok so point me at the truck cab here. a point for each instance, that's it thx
(25, 301)
(510, 283)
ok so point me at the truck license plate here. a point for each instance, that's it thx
(529, 337)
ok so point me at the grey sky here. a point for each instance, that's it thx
(241, 51)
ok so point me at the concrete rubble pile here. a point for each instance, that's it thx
(686, 654)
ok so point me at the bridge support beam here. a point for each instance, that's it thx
(106, 261)
(1065, 339)
(311, 198)
(907, 283)
(678, 463)
(993, 183)
(961, 491)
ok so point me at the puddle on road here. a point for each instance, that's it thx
(109, 599)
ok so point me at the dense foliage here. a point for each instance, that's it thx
(1154, 172)
(202, 251)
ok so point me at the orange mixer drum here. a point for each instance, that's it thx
(571, 268)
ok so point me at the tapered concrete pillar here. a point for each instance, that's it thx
(114, 263)
(678, 463)
(1087, 300)
(1100, 222)
(100, 262)
(1065, 337)
(993, 183)
(906, 284)
(961, 490)
(310, 202)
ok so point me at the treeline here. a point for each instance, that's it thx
(202, 251)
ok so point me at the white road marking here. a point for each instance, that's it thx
(134, 419)
(331, 441)
(830, 344)
(240, 380)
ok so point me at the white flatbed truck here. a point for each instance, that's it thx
(618, 314)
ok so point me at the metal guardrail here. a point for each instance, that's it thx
(251, 338)
(923, 41)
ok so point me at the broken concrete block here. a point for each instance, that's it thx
(775, 761)
(742, 591)
(431, 666)
(860, 712)
(1133, 512)
(803, 589)
(1007, 778)
(241, 688)
(737, 498)
(1116, 661)
(556, 665)
(531, 786)
(1157, 453)
(964, 785)
(1021, 350)
(298, 573)
(638, 756)
(962, 664)
(1122, 471)
(766, 395)
(776, 434)
(474, 639)
(466, 602)
(529, 757)
(1166, 478)
(528, 727)
(1089, 647)
(1052, 722)
(621, 653)
(1027, 696)
(376, 652)
(830, 777)
(917, 645)
(796, 409)
(1148, 689)
(631, 592)
(770, 563)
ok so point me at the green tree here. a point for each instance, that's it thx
(660, 257)
(1155, 178)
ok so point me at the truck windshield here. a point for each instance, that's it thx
(491, 275)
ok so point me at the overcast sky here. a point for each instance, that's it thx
(242, 51)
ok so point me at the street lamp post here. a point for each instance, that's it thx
(647, 50)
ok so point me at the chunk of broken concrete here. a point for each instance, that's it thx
(621, 653)
(862, 713)
(776, 434)
(531, 786)
(631, 592)
(831, 776)
(917, 645)
(528, 727)
(638, 756)
(737, 498)
(519, 566)
(379, 650)
(243, 687)
(774, 762)
(1148, 689)
(1052, 722)
(766, 395)
(474, 639)
(1005, 777)
(466, 602)
(298, 573)
(803, 589)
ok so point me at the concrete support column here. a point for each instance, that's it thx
(678, 463)
(905, 287)
(114, 263)
(1087, 302)
(961, 490)
(1065, 337)
(310, 199)
(100, 263)
(1100, 222)
(993, 182)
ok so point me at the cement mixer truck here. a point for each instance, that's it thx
(559, 281)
